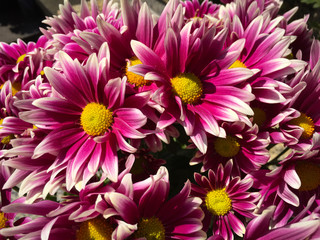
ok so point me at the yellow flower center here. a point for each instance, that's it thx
(96, 119)
(16, 87)
(95, 229)
(188, 87)
(309, 174)
(21, 58)
(7, 139)
(151, 229)
(238, 64)
(3, 220)
(227, 147)
(42, 73)
(306, 123)
(259, 116)
(133, 78)
(218, 202)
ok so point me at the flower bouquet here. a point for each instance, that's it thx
(199, 123)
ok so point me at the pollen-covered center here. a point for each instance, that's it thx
(3, 220)
(133, 78)
(188, 87)
(238, 64)
(218, 202)
(15, 87)
(95, 229)
(150, 229)
(306, 123)
(21, 58)
(96, 119)
(259, 116)
(227, 147)
(309, 174)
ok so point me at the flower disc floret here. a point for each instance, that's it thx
(188, 87)
(96, 119)
(306, 123)
(227, 147)
(150, 229)
(238, 64)
(21, 58)
(3, 220)
(133, 78)
(309, 174)
(95, 229)
(218, 202)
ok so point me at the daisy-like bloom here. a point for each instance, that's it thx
(227, 201)
(300, 127)
(305, 225)
(76, 217)
(21, 62)
(154, 215)
(193, 80)
(11, 124)
(88, 118)
(8, 219)
(243, 144)
(194, 9)
(290, 185)
(68, 25)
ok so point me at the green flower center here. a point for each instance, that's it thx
(96, 119)
(95, 229)
(151, 229)
(218, 202)
(309, 174)
(188, 87)
(306, 123)
(227, 147)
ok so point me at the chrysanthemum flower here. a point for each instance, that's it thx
(227, 201)
(243, 144)
(290, 185)
(21, 62)
(300, 127)
(156, 216)
(68, 25)
(88, 118)
(76, 217)
(192, 86)
(8, 219)
(195, 9)
(305, 225)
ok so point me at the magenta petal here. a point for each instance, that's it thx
(287, 195)
(126, 208)
(291, 178)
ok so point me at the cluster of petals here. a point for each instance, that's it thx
(162, 126)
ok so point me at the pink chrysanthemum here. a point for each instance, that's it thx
(151, 215)
(227, 201)
(299, 125)
(290, 185)
(305, 225)
(21, 62)
(243, 144)
(88, 118)
(193, 80)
